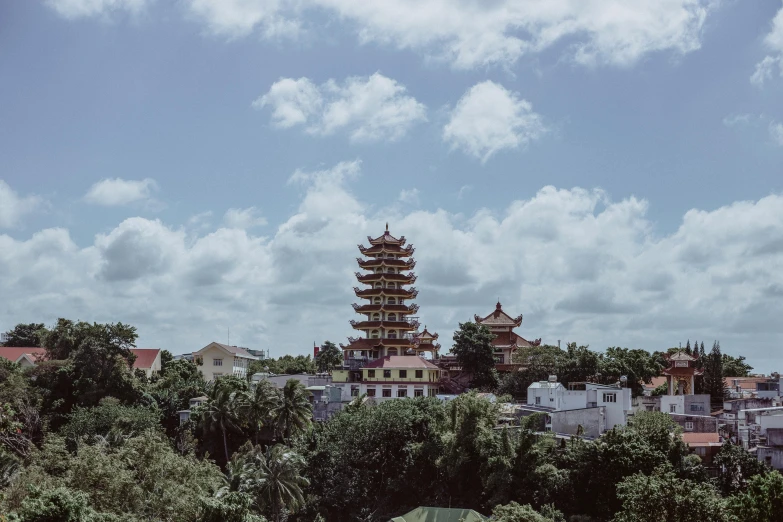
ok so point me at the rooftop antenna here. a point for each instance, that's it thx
(228, 336)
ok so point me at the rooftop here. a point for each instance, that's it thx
(144, 357)
(13, 353)
(700, 438)
(499, 318)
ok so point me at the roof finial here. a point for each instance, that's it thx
(387, 226)
(498, 305)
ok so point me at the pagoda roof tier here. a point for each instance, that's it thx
(405, 279)
(387, 249)
(405, 293)
(682, 372)
(499, 318)
(401, 309)
(389, 325)
(374, 262)
(386, 238)
(425, 335)
(362, 343)
(512, 340)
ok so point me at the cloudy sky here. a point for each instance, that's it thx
(611, 169)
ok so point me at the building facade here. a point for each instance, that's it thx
(506, 341)
(216, 360)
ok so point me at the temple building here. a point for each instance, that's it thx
(681, 373)
(506, 341)
(388, 323)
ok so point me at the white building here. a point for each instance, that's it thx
(216, 360)
(581, 395)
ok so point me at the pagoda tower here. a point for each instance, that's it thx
(389, 324)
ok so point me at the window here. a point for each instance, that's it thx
(371, 392)
(376, 300)
(403, 374)
(672, 408)
(217, 362)
(390, 270)
(418, 393)
(697, 407)
(419, 374)
(387, 374)
(370, 374)
(393, 334)
(689, 426)
(354, 392)
(375, 334)
(378, 285)
(701, 452)
(386, 392)
(402, 392)
(392, 317)
(391, 351)
(216, 375)
(376, 317)
(392, 300)
(538, 401)
(610, 397)
(391, 285)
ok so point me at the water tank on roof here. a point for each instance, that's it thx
(553, 378)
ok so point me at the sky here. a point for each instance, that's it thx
(610, 169)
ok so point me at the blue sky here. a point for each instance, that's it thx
(611, 169)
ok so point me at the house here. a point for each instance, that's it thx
(217, 359)
(437, 514)
(394, 376)
(147, 360)
(195, 402)
(705, 445)
(744, 387)
(26, 357)
(771, 452)
(609, 405)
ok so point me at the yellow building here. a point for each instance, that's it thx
(394, 377)
(216, 360)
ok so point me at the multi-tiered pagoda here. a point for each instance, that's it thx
(389, 324)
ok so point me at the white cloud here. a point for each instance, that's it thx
(372, 108)
(236, 18)
(738, 120)
(98, 8)
(410, 196)
(118, 192)
(488, 118)
(578, 264)
(243, 218)
(13, 207)
(773, 41)
(776, 133)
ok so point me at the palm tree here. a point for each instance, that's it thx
(293, 415)
(221, 412)
(260, 405)
(278, 481)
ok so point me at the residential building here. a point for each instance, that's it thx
(771, 450)
(748, 387)
(147, 360)
(184, 415)
(216, 360)
(388, 325)
(506, 341)
(391, 377)
(613, 402)
(26, 357)
(705, 445)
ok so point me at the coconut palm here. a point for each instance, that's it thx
(278, 481)
(260, 405)
(293, 415)
(222, 411)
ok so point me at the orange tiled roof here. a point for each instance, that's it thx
(144, 357)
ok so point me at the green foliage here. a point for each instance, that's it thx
(514, 512)
(762, 500)
(178, 382)
(329, 356)
(664, 497)
(222, 412)
(293, 413)
(735, 366)
(26, 335)
(110, 419)
(712, 381)
(474, 352)
(231, 507)
(55, 505)
(637, 365)
(285, 365)
(737, 467)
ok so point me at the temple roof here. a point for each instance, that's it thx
(426, 335)
(372, 262)
(680, 356)
(389, 325)
(386, 238)
(512, 340)
(399, 308)
(369, 344)
(499, 318)
(405, 293)
(387, 248)
(407, 279)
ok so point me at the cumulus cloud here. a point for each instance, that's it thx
(580, 265)
(465, 33)
(370, 108)
(119, 192)
(488, 118)
(13, 206)
(410, 196)
(243, 218)
(95, 8)
(773, 41)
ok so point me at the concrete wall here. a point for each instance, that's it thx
(592, 420)
(550, 396)
(700, 423)
(769, 421)
(770, 455)
(746, 404)
(697, 404)
(775, 437)
(673, 404)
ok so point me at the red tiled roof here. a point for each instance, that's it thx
(655, 382)
(700, 438)
(401, 361)
(499, 318)
(144, 357)
(745, 383)
(12, 353)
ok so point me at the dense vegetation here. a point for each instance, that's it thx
(84, 438)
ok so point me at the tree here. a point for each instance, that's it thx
(261, 403)
(55, 505)
(514, 512)
(221, 413)
(329, 356)
(279, 482)
(737, 466)
(762, 501)
(664, 497)
(713, 383)
(293, 414)
(26, 335)
(474, 352)
(232, 507)
(735, 366)
(110, 418)
(637, 365)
